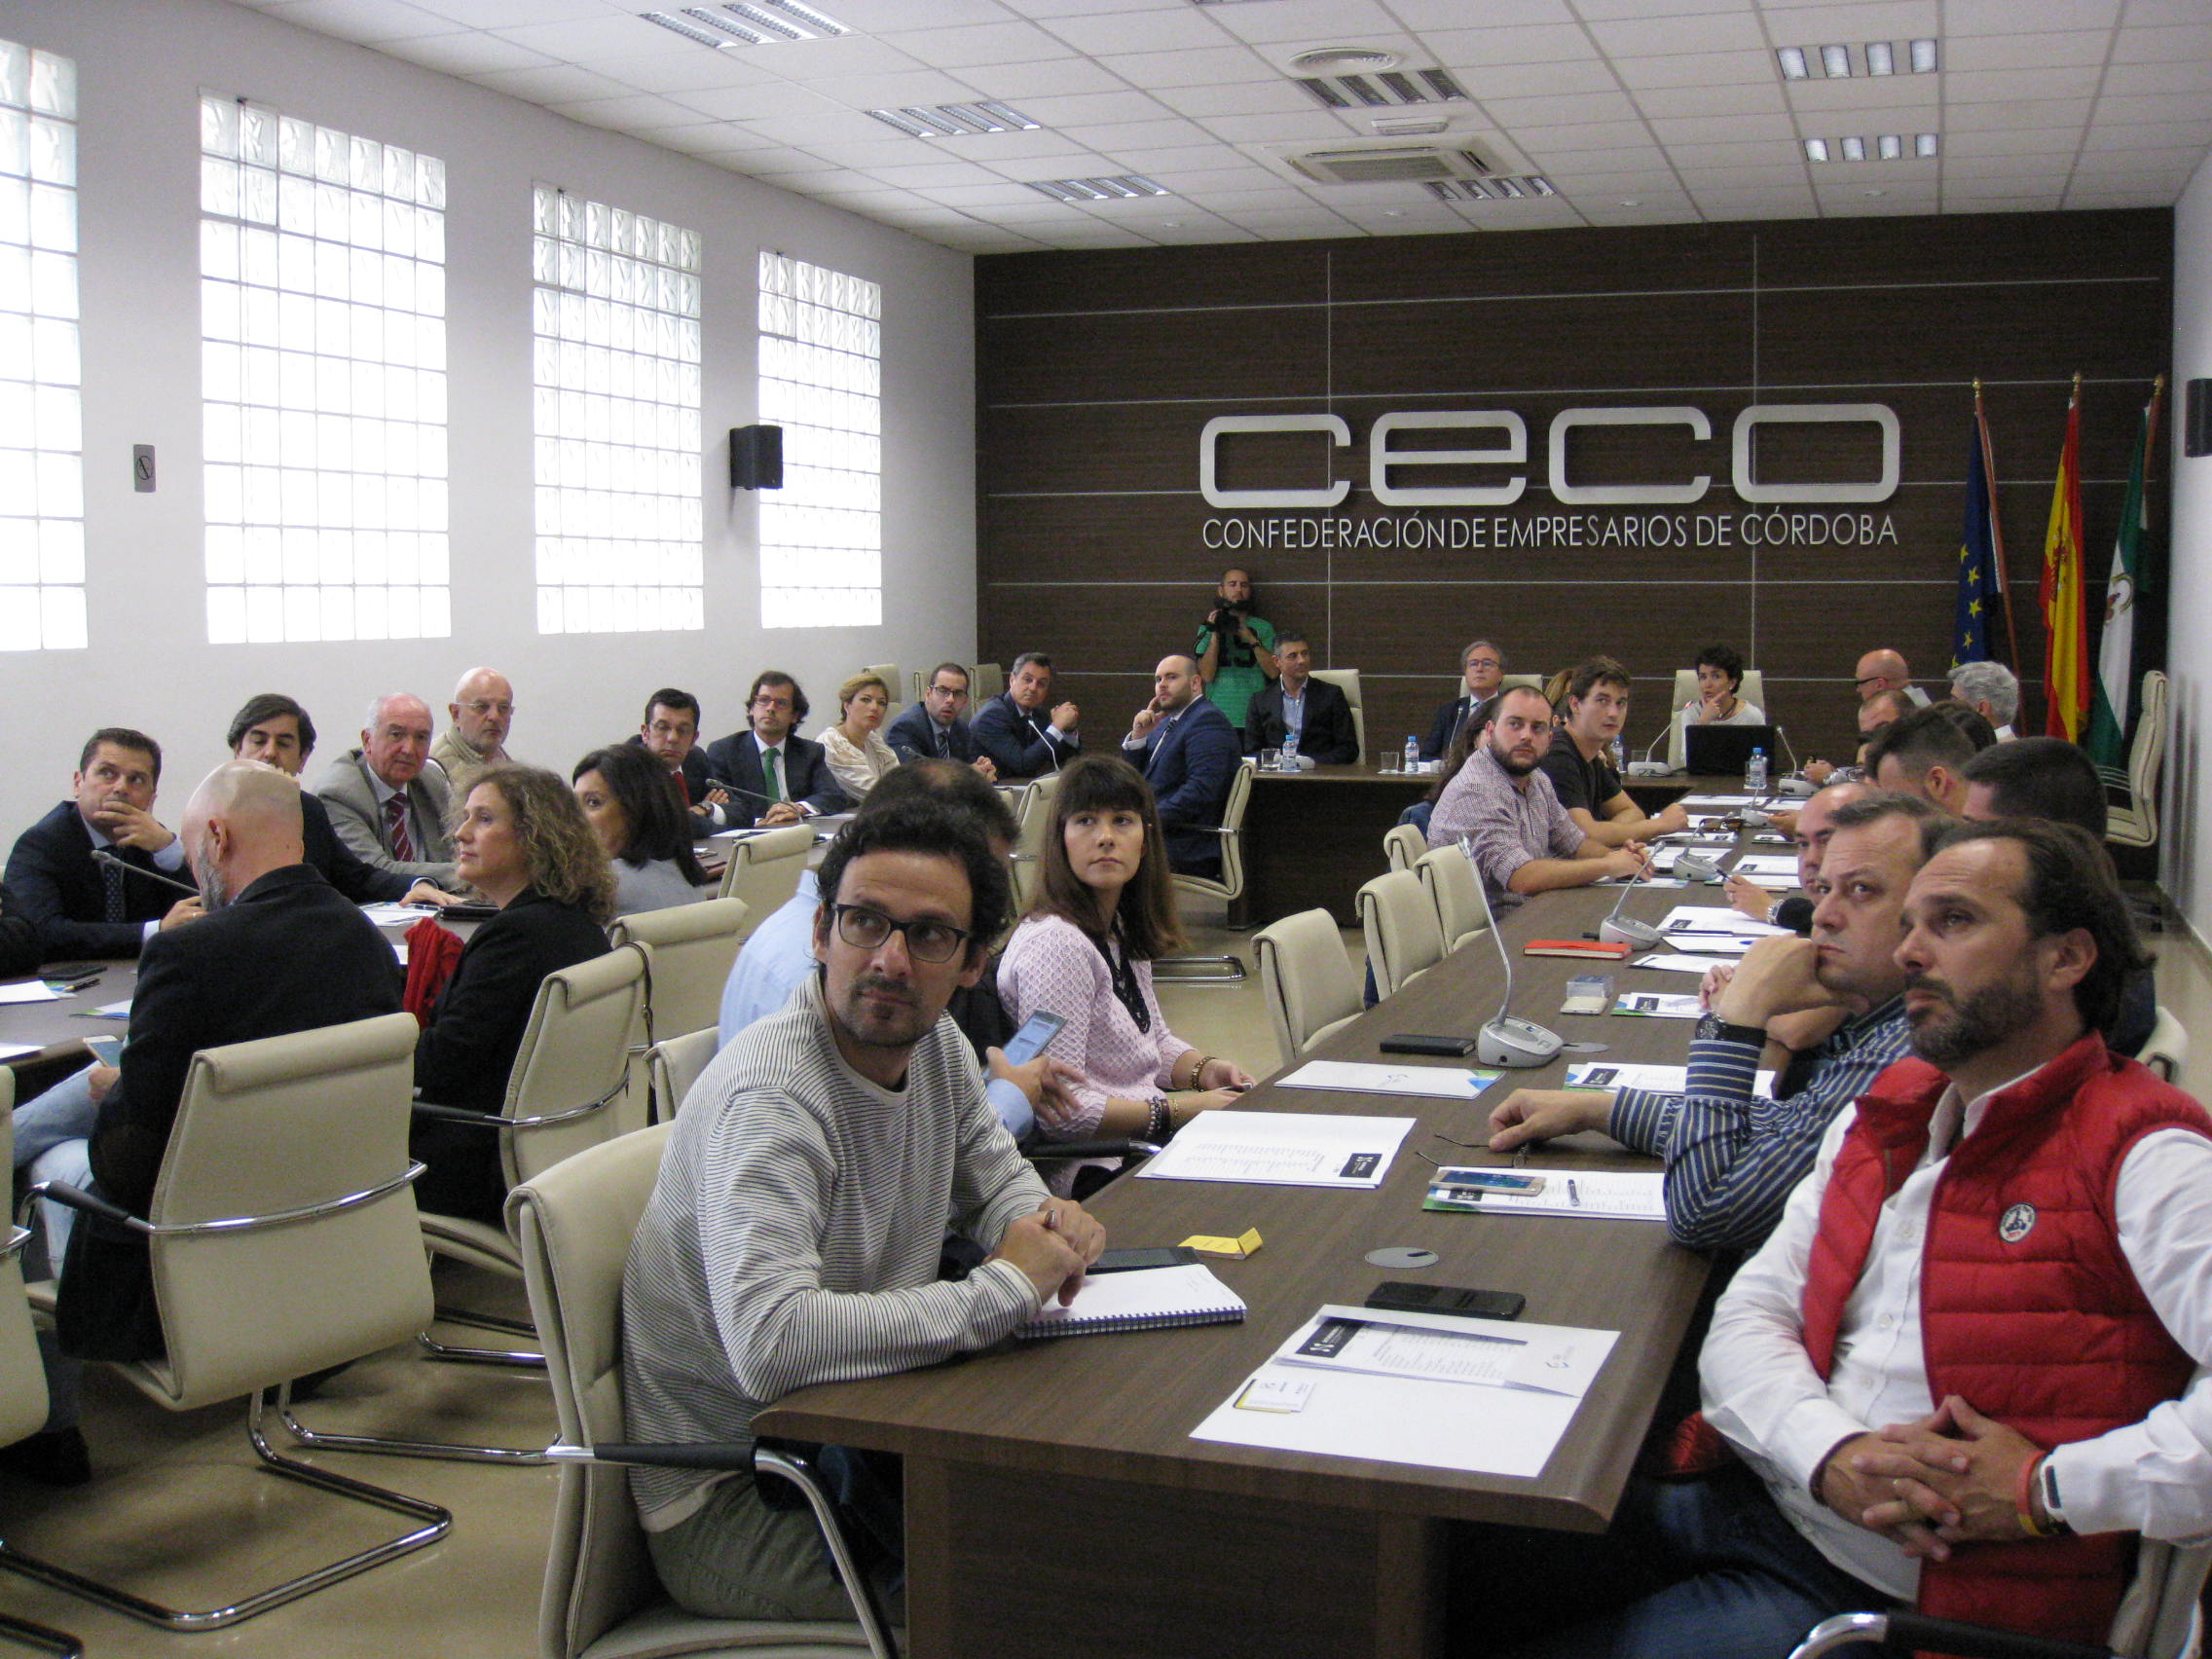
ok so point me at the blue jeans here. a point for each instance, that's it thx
(64, 1112)
(1739, 1582)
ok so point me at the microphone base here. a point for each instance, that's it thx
(1623, 929)
(1649, 769)
(1516, 1044)
(1798, 788)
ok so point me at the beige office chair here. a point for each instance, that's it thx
(1227, 887)
(22, 1377)
(888, 672)
(282, 1240)
(1456, 891)
(763, 870)
(1346, 680)
(1032, 814)
(2134, 820)
(573, 1226)
(1404, 938)
(694, 948)
(674, 1064)
(1311, 987)
(1752, 690)
(985, 680)
(568, 1077)
(2166, 1049)
(1403, 846)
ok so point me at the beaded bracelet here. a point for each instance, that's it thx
(2023, 1499)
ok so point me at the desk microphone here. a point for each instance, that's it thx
(1796, 783)
(102, 856)
(1695, 866)
(1617, 929)
(1045, 737)
(739, 789)
(1514, 1044)
(1648, 767)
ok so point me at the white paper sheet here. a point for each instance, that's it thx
(1636, 1074)
(1714, 919)
(29, 991)
(1494, 1353)
(1281, 1149)
(1767, 864)
(1398, 1419)
(1441, 1083)
(10, 1050)
(111, 1011)
(1658, 1004)
(1601, 1195)
(1709, 803)
(1675, 962)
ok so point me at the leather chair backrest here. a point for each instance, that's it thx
(1346, 680)
(284, 1125)
(674, 1064)
(1453, 889)
(764, 870)
(694, 946)
(22, 1380)
(573, 1226)
(1233, 829)
(1752, 690)
(1403, 936)
(1312, 986)
(583, 1026)
(1403, 846)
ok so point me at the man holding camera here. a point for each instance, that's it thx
(1235, 649)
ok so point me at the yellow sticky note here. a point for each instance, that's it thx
(1235, 1248)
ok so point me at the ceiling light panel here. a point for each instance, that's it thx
(956, 121)
(1889, 147)
(1386, 89)
(1496, 188)
(748, 22)
(1122, 187)
(1835, 62)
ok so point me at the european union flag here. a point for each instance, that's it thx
(1979, 590)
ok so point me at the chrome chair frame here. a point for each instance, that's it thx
(1227, 970)
(24, 1410)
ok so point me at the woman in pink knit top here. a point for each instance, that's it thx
(1084, 952)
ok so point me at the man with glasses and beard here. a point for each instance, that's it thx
(795, 1233)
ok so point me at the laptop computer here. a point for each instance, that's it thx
(1720, 750)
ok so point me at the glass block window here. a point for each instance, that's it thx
(42, 461)
(820, 380)
(323, 367)
(616, 312)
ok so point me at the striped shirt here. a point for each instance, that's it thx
(1732, 1160)
(793, 1236)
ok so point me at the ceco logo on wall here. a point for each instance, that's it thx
(1508, 447)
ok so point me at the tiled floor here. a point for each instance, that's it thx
(178, 1506)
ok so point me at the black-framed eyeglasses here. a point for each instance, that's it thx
(927, 939)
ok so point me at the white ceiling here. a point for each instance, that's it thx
(1638, 111)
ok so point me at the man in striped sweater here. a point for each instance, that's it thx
(1732, 1158)
(795, 1233)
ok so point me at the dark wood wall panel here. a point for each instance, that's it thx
(1097, 372)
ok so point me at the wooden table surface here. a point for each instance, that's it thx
(1090, 1436)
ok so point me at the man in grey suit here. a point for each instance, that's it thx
(388, 799)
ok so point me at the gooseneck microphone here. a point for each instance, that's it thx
(102, 856)
(1617, 929)
(1514, 1044)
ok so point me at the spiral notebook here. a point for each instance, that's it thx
(1150, 1299)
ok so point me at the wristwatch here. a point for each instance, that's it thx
(1710, 1026)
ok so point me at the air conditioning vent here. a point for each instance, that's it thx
(1395, 164)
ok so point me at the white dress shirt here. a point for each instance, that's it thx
(1760, 1390)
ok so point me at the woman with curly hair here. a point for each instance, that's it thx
(1085, 950)
(520, 841)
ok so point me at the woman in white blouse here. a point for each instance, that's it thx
(1720, 676)
(857, 754)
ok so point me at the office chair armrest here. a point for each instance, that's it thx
(1054, 1152)
(499, 1124)
(718, 1456)
(1911, 1632)
(77, 1199)
(13, 1245)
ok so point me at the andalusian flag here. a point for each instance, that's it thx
(2066, 652)
(2110, 714)
(1981, 589)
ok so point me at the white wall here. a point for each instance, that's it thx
(2187, 869)
(141, 65)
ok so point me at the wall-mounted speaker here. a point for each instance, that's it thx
(757, 457)
(2197, 417)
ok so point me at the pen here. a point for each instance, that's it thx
(1572, 1196)
(67, 985)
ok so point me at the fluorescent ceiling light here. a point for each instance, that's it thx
(1924, 58)
(1792, 62)
(1835, 62)
(1881, 57)
(1889, 146)
(1815, 149)
(1120, 187)
(1925, 144)
(1855, 149)
(689, 31)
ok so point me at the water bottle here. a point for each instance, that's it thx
(1754, 773)
(1290, 750)
(1413, 754)
(1620, 758)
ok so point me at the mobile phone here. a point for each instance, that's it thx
(74, 971)
(1468, 1178)
(1123, 1260)
(1039, 1029)
(107, 1051)
(1414, 1042)
(1401, 1296)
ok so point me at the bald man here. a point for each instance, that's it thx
(482, 711)
(278, 950)
(388, 799)
(1885, 669)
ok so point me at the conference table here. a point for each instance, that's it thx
(1054, 1500)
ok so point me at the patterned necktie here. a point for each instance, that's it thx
(111, 875)
(944, 743)
(396, 820)
(774, 772)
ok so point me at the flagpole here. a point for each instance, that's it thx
(1995, 530)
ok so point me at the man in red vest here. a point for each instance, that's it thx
(1961, 1366)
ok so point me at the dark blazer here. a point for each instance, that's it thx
(20, 950)
(469, 1046)
(705, 817)
(1021, 744)
(55, 886)
(362, 883)
(1329, 735)
(1445, 726)
(807, 776)
(1189, 764)
(287, 954)
(914, 737)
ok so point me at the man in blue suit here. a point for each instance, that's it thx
(937, 727)
(775, 770)
(1188, 751)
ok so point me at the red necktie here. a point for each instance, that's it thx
(395, 818)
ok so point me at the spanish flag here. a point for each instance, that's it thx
(2066, 652)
